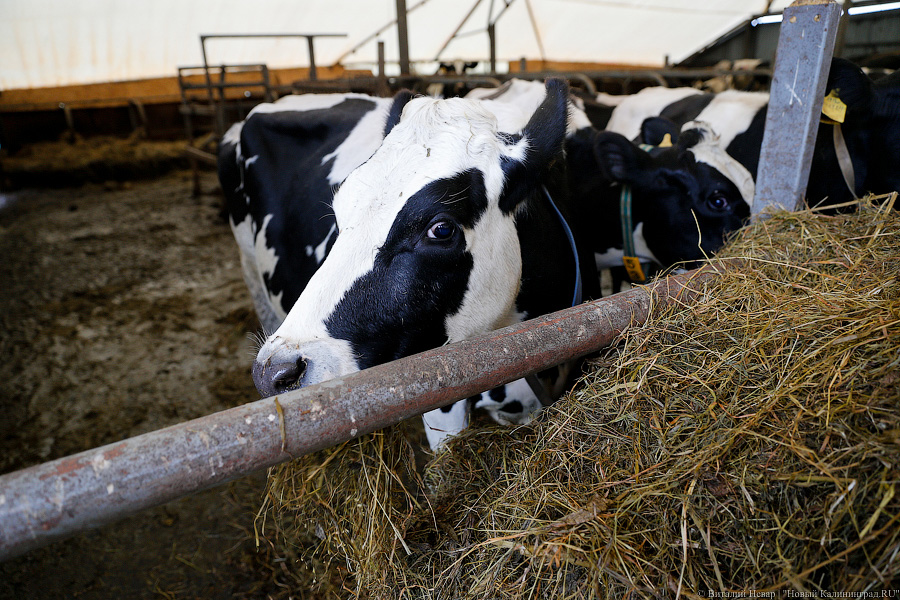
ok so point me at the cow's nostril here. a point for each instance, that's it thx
(272, 379)
(288, 375)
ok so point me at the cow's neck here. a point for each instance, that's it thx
(548, 260)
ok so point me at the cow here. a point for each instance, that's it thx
(870, 131)
(279, 186)
(676, 189)
(455, 226)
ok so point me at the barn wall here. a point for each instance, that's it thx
(867, 36)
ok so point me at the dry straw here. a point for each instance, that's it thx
(749, 441)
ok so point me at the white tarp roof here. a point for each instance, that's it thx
(60, 42)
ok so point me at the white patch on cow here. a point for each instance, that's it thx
(249, 162)
(711, 152)
(731, 113)
(628, 116)
(526, 97)
(440, 425)
(233, 135)
(266, 259)
(362, 142)
(257, 259)
(610, 99)
(613, 256)
(304, 102)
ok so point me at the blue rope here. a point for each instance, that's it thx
(576, 298)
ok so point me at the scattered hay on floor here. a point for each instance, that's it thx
(97, 159)
(750, 441)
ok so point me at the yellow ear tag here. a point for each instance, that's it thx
(833, 107)
(666, 141)
(633, 268)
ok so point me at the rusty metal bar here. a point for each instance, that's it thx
(50, 501)
(802, 61)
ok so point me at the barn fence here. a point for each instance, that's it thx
(53, 500)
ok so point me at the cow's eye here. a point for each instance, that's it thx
(718, 202)
(442, 230)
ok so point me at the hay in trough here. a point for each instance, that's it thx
(749, 441)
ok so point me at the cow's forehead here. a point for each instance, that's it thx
(435, 139)
(709, 150)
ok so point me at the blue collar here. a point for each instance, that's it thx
(576, 297)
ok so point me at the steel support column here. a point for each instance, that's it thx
(802, 62)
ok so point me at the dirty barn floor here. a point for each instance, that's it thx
(122, 310)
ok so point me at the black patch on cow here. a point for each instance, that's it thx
(688, 108)
(871, 130)
(545, 132)
(597, 113)
(745, 146)
(399, 308)
(513, 407)
(655, 129)
(498, 394)
(288, 180)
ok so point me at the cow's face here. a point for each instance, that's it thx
(688, 196)
(427, 250)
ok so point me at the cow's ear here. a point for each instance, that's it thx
(619, 160)
(400, 101)
(654, 130)
(849, 83)
(543, 138)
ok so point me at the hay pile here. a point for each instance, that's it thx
(97, 159)
(748, 442)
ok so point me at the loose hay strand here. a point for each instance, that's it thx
(748, 441)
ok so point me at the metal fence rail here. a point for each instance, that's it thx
(59, 498)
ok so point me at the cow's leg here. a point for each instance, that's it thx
(445, 422)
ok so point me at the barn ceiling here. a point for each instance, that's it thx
(59, 42)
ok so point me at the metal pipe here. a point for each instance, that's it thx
(53, 500)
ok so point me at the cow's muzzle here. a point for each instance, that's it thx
(273, 379)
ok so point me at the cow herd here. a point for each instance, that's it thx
(375, 228)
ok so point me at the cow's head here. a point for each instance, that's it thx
(427, 250)
(688, 195)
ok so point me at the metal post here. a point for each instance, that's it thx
(59, 498)
(802, 62)
(312, 58)
(383, 89)
(402, 37)
(492, 41)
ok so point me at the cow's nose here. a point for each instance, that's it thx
(273, 379)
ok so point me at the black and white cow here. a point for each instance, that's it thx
(677, 191)
(871, 129)
(447, 231)
(278, 169)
